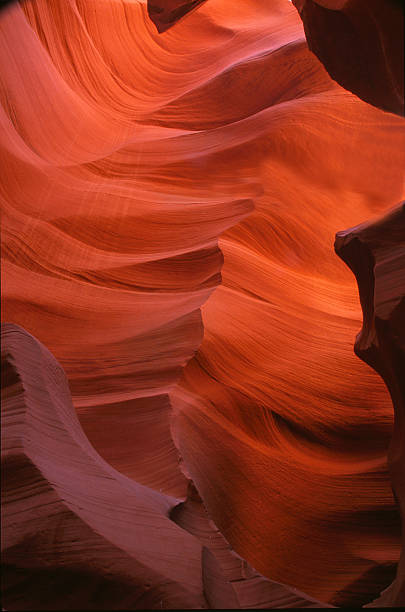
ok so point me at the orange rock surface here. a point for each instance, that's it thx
(134, 165)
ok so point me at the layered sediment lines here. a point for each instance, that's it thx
(79, 535)
(283, 430)
(111, 222)
(128, 153)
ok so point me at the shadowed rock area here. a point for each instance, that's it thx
(77, 534)
(167, 13)
(360, 43)
(229, 581)
(375, 252)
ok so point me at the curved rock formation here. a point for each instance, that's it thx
(275, 411)
(230, 582)
(123, 162)
(361, 44)
(79, 535)
(76, 533)
(111, 236)
(375, 252)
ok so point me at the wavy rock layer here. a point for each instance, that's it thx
(110, 222)
(127, 154)
(375, 252)
(281, 428)
(361, 44)
(78, 535)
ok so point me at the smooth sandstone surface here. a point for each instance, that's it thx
(136, 164)
(77, 534)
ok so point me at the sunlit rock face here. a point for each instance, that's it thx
(110, 220)
(127, 153)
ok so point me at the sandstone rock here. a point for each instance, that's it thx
(360, 42)
(375, 252)
(165, 13)
(76, 533)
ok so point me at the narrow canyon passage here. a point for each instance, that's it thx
(170, 203)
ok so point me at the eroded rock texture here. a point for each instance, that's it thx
(130, 160)
(229, 581)
(361, 44)
(375, 252)
(110, 222)
(77, 534)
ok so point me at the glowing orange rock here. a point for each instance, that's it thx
(125, 155)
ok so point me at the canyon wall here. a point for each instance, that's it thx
(142, 171)
(79, 535)
(375, 252)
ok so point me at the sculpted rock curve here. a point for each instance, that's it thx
(375, 252)
(360, 43)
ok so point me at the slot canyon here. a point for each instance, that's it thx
(203, 304)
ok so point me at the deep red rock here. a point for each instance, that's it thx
(361, 44)
(375, 252)
(165, 13)
(229, 581)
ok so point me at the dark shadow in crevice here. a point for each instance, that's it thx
(366, 588)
